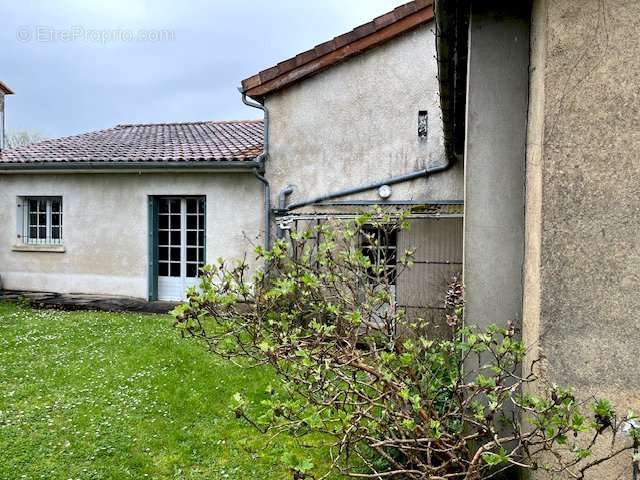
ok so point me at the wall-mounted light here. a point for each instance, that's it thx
(385, 192)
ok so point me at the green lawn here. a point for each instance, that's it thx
(92, 395)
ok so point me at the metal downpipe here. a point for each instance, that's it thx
(260, 169)
(267, 209)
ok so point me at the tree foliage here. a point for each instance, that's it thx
(392, 399)
(22, 138)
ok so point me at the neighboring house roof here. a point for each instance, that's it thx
(364, 37)
(4, 89)
(177, 144)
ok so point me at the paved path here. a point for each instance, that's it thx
(79, 301)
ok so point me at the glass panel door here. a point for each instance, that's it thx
(169, 237)
(181, 244)
(195, 236)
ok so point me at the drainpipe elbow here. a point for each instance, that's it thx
(265, 111)
(283, 195)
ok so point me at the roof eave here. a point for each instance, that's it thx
(271, 80)
(452, 24)
(4, 89)
(57, 166)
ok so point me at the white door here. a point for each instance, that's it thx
(181, 245)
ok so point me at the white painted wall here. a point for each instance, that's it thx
(105, 227)
(357, 122)
(354, 123)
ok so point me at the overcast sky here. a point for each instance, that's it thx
(83, 65)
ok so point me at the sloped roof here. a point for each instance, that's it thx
(163, 143)
(340, 48)
(4, 89)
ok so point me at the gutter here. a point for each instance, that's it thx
(452, 25)
(97, 167)
(259, 169)
(424, 173)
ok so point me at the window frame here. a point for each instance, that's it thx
(188, 267)
(383, 251)
(25, 225)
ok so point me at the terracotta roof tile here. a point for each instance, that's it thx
(164, 142)
(385, 20)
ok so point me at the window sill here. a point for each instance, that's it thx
(38, 248)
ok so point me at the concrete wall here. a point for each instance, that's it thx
(105, 227)
(357, 122)
(583, 256)
(495, 161)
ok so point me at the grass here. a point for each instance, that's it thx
(94, 395)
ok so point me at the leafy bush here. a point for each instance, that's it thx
(393, 400)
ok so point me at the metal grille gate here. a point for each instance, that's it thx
(437, 241)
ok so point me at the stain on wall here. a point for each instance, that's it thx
(106, 227)
(583, 267)
(357, 122)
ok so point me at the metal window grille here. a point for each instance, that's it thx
(423, 123)
(312, 247)
(42, 220)
(381, 246)
(435, 237)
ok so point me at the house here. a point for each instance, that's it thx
(541, 99)
(355, 122)
(135, 210)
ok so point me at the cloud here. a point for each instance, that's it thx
(75, 83)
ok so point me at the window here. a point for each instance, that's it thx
(423, 124)
(381, 246)
(41, 220)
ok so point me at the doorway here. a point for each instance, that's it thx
(180, 244)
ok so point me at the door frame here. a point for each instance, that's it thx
(153, 248)
(152, 253)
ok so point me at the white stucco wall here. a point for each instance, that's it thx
(352, 124)
(357, 122)
(105, 227)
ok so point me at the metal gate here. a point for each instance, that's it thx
(421, 289)
(437, 241)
